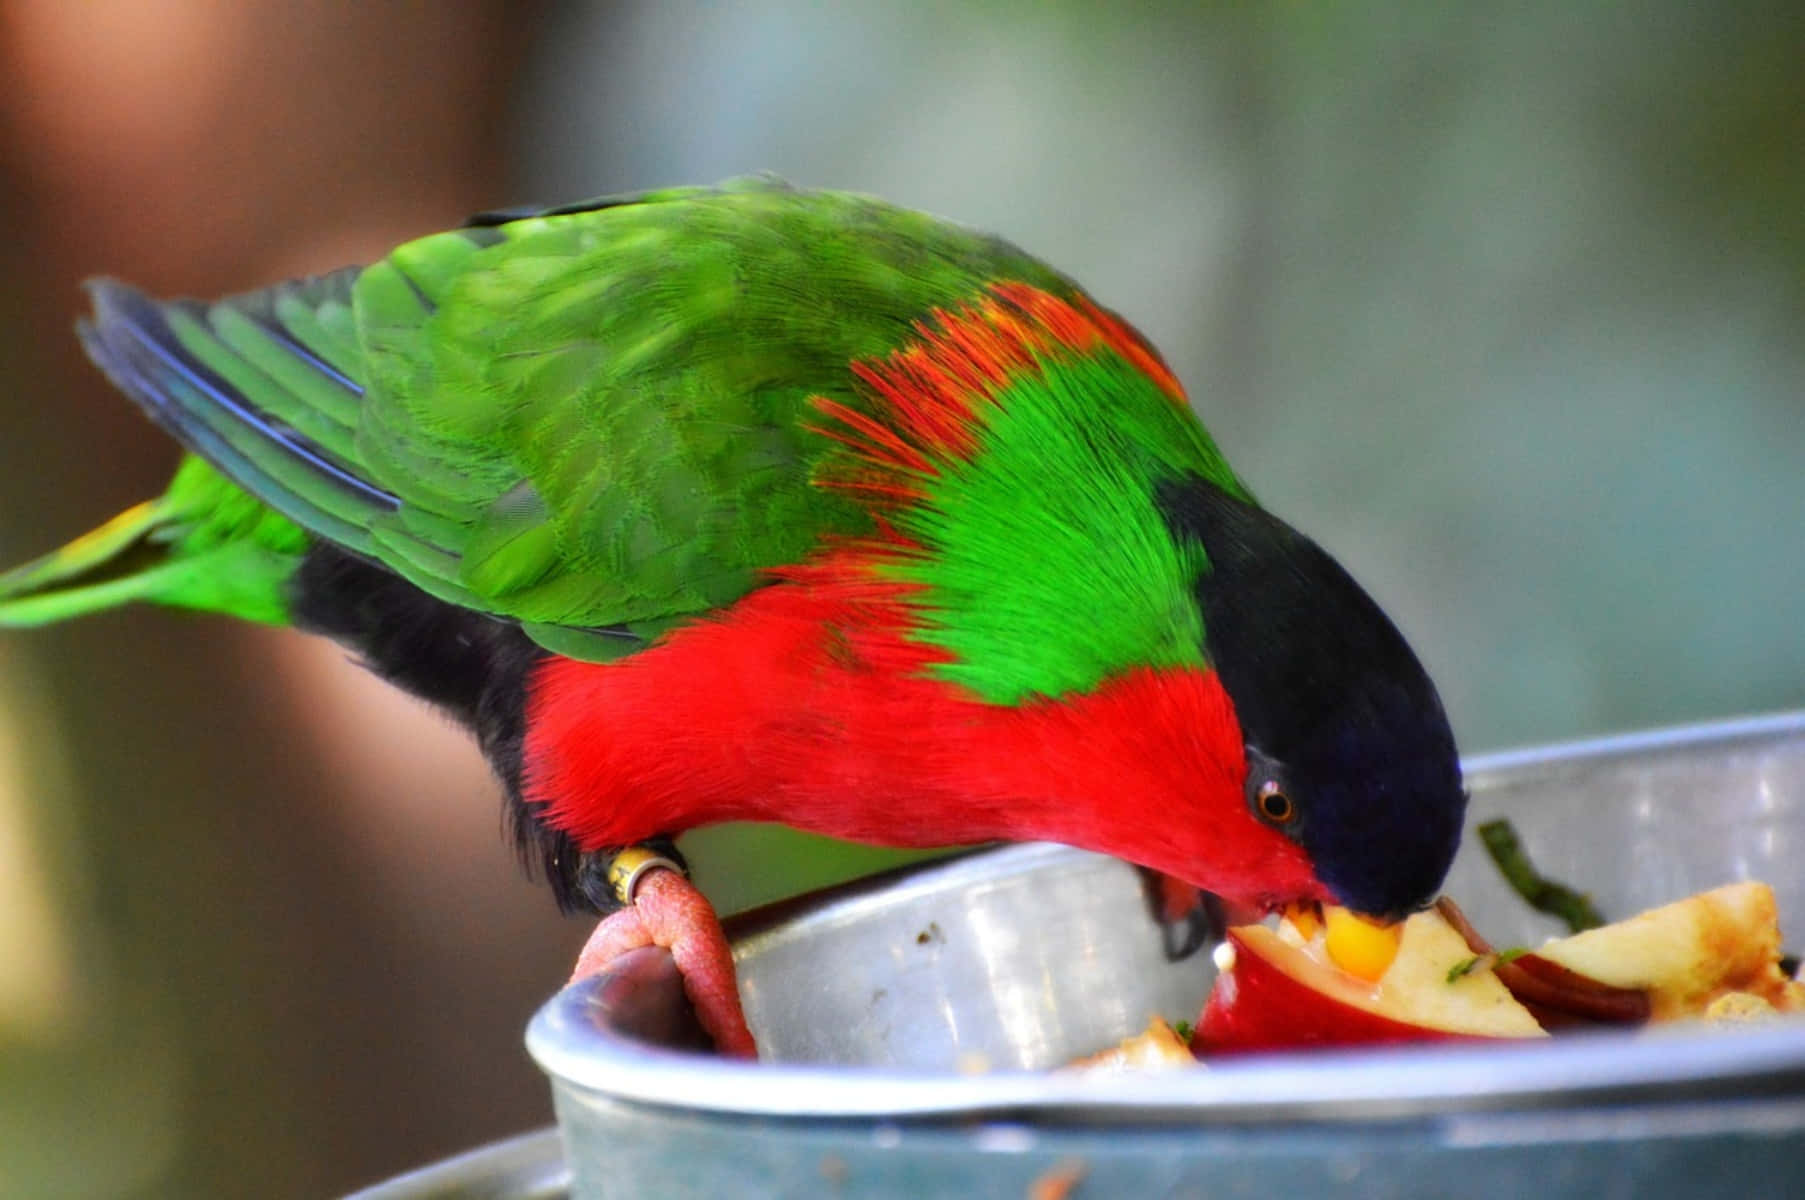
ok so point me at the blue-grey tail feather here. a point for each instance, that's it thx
(129, 337)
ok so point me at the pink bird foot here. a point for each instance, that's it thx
(666, 910)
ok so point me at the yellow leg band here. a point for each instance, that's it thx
(632, 865)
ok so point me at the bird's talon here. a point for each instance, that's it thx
(664, 909)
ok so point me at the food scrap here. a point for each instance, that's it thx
(1155, 1048)
(1714, 957)
(1058, 1182)
(1711, 957)
(1541, 893)
(1278, 988)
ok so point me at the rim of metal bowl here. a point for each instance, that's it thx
(1679, 1065)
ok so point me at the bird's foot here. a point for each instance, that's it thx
(1188, 917)
(663, 908)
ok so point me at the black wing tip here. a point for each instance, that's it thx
(491, 218)
(757, 181)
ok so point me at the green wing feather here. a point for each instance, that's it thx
(586, 419)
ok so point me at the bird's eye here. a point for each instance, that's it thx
(1274, 805)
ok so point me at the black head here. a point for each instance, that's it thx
(1348, 750)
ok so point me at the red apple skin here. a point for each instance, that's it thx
(1259, 1004)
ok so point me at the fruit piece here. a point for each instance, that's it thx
(1360, 946)
(1555, 997)
(1157, 1048)
(1713, 956)
(1739, 1008)
(1687, 954)
(1271, 994)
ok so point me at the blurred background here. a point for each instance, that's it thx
(1508, 310)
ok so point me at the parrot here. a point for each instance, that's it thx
(750, 502)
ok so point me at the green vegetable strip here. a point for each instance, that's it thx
(1543, 894)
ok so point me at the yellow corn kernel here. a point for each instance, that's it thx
(1359, 946)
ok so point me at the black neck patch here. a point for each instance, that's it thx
(1325, 686)
(475, 667)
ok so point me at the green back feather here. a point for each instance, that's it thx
(587, 419)
(600, 416)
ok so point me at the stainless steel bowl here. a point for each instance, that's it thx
(876, 1002)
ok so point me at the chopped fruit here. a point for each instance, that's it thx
(1157, 1048)
(1555, 996)
(1739, 1008)
(1273, 993)
(1360, 946)
(1714, 956)
(1688, 954)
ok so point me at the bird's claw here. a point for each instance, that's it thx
(666, 910)
(1187, 917)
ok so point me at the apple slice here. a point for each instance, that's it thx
(1157, 1048)
(1691, 957)
(1555, 996)
(1273, 992)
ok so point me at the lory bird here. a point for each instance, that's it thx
(751, 503)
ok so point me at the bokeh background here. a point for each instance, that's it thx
(1506, 306)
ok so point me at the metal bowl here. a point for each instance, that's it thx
(911, 1026)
